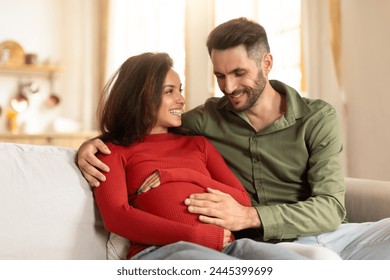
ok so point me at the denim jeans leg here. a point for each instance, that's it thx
(247, 249)
(356, 241)
(181, 251)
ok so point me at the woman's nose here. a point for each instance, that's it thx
(181, 100)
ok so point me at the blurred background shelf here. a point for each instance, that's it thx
(71, 140)
(28, 69)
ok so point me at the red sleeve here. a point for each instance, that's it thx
(139, 226)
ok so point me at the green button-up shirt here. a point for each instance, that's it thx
(291, 169)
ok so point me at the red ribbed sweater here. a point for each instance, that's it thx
(187, 165)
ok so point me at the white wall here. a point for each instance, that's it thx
(199, 75)
(365, 73)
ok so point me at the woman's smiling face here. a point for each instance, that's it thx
(172, 103)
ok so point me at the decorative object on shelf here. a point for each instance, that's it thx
(29, 87)
(53, 100)
(20, 102)
(12, 123)
(11, 53)
(30, 58)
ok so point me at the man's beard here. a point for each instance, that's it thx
(252, 93)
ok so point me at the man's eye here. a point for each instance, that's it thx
(240, 73)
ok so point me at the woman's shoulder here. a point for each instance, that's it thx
(116, 149)
(117, 153)
(200, 141)
(197, 138)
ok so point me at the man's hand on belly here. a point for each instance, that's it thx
(218, 208)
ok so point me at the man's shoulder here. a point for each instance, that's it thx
(318, 105)
(212, 103)
(202, 112)
(207, 115)
(319, 111)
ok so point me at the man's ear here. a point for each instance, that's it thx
(267, 63)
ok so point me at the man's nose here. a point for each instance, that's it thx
(230, 85)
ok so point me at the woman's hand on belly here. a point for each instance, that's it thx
(151, 182)
(227, 237)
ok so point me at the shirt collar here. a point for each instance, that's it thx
(296, 107)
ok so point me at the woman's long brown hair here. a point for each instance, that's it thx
(130, 101)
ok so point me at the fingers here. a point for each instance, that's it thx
(202, 204)
(92, 174)
(226, 237)
(212, 220)
(89, 164)
(211, 195)
(209, 199)
(101, 147)
(209, 211)
(151, 182)
(92, 181)
(215, 207)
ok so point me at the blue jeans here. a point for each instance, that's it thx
(356, 241)
(242, 249)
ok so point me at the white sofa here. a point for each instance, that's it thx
(48, 212)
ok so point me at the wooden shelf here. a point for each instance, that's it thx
(29, 69)
(72, 140)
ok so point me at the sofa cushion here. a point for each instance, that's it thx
(47, 208)
(367, 200)
(117, 247)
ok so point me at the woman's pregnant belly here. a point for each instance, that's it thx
(167, 201)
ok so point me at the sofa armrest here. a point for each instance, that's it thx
(367, 200)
